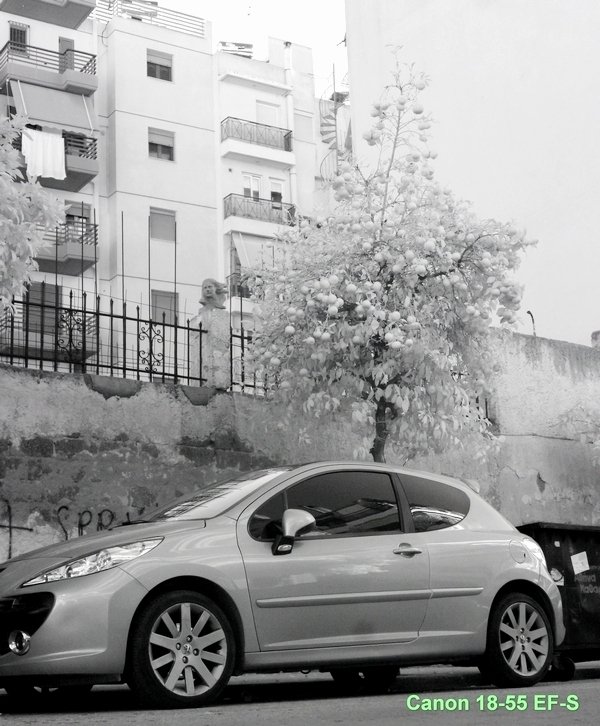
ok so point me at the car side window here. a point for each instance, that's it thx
(433, 504)
(343, 503)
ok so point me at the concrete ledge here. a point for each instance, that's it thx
(111, 387)
(198, 395)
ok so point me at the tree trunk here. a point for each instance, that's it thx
(377, 451)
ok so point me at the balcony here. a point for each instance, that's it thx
(249, 140)
(66, 13)
(81, 162)
(72, 70)
(71, 249)
(262, 210)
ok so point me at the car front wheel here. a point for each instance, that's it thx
(520, 642)
(182, 651)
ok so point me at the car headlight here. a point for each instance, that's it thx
(96, 562)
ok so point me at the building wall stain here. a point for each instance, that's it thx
(78, 453)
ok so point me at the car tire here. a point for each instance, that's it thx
(520, 642)
(181, 651)
(373, 678)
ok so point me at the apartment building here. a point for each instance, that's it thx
(181, 164)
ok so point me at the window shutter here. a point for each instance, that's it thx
(158, 136)
(162, 224)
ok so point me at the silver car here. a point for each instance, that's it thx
(344, 567)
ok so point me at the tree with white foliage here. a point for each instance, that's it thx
(385, 307)
(26, 210)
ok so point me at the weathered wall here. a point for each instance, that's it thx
(72, 444)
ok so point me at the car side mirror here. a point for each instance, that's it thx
(293, 523)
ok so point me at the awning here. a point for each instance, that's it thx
(253, 251)
(49, 107)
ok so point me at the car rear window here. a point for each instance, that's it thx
(433, 504)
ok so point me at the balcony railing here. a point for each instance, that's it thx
(255, 133)
(266, 210)
(48, 60)
(83, 146)
(83, 233)
(75, 145)
(150, 12)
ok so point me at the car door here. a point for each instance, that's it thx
(353, 581)
(463, 560)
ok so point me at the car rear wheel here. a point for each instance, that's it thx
(371, 677)
(181, 651)
(520, 642)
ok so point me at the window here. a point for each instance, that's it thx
(159, 65)
(167, 303)
(343, 503)
(42, 300)
(19, 37)
(251, 186)
(161, 144)
(434, 505)
(276, 193)
(162, 224)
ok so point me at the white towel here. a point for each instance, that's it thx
(44, 153)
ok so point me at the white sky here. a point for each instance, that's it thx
(319, 24)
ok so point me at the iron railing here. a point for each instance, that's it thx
(84, 335)
(150, 12)
(75, 145)
(246, 375)
(83, 233)
(49, 60)
(265, 210)
(255, 133)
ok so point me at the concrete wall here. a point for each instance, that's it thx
(84, 443)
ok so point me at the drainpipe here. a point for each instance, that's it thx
(289, 99)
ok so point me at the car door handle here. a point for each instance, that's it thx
(406, 550)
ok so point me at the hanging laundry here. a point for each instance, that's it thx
(44, 153)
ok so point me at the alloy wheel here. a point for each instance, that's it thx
(188, 649)
(524, 639)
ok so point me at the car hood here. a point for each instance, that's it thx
(80, 546)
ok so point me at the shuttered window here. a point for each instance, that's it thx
(162, 224)
(19, 37)
(161, 144)
(42, 299)
(159, 65)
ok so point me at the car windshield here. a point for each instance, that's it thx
(217, 497)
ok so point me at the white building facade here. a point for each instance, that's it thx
(181, 163)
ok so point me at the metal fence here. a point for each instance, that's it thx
(49, 60)
(247, 376)
(148, 11)
(255, 133)
(75, 145)
(84, 336)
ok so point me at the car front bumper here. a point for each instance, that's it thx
(80, 626)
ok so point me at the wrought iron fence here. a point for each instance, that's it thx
(255, 133)
(50, 60)
(247, 376)
(266, 210)
(80, 336)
